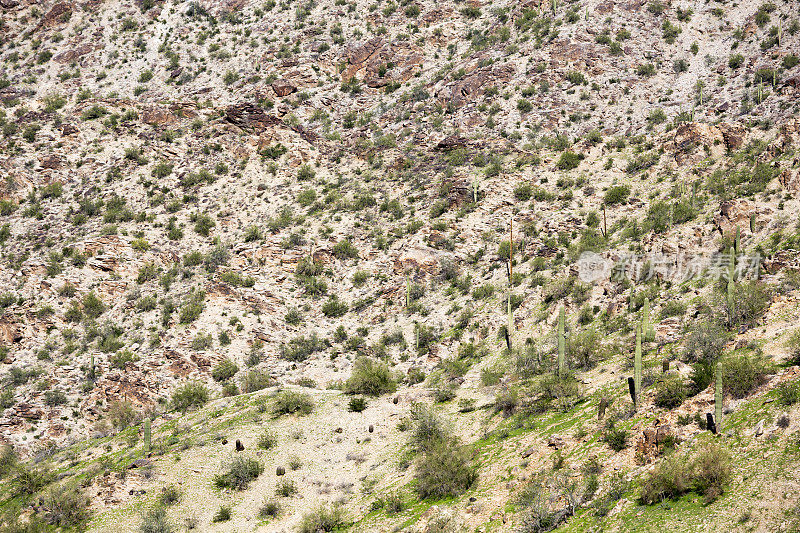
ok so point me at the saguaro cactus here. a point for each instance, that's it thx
(752, 223)
(731, 287)
(718, 397)
(647, 327)
(637, 366)
(737, 242)
(562, 341)
(147, 435)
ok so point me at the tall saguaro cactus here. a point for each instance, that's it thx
(718, 397)
(647, 327)
(147, 435)
(562, 341)
(731, 287)
(637, 366)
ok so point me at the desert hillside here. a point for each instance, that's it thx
(418, 266)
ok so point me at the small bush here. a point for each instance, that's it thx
(222, 515)
(170, 495)
(65, 506)
(444, 470)
(286, 488)
(569, 161)
(616, 437)
(788, 393)
(267, 440)
(743, 374)
(269, 509)
(224, 370)
(156, 521)
(670, 393)
(190, 395)
(357, 404)
(617, 194)
(288, 402)
(668, 480)
(255, 380)
(707, 473)
(238, 473)
(371, 378)
(323, 519)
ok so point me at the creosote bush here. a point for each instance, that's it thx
(444, 467)
(190, 395)
(708, 473)
(370, 377)
(238, 473)
(288, 402)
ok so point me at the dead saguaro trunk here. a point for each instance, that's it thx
(508, 339)
(712, 427)
(601, 408)
(632, 390)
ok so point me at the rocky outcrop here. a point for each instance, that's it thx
(283, 88)
(380, 62)
(650, 441)
(474, 84)
(249, 116)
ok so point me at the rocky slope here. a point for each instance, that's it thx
(205, 204)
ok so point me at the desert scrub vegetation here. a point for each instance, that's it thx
(288, 402)
(444, 466)
(190, 395)
(323, 519)
(238, 473)
(370, 377)
(707, 472)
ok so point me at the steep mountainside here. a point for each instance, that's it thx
(390, 266)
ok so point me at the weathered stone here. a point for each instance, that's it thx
(283, 88)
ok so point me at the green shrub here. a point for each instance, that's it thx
(707, 473)
(192, 307)
(93, 306)
(224, 512)
(617, 194)
(670, 392)
(793, 345)
(788, 393)
(255, 380)
(370, 377)
(156, 521)
(357, 404)
(344, 249)
(170, 495)
(224, 370)
(616, 438)
(288, 402)
(267, 440)
(193, 394)
(569, 160)
(299, 348)
(323, 519)
(668, 480)
(238, 473)
(286, 488)
(65, 506)
(334, 308)
(444, 470)
(751, 300)
(743, 374)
